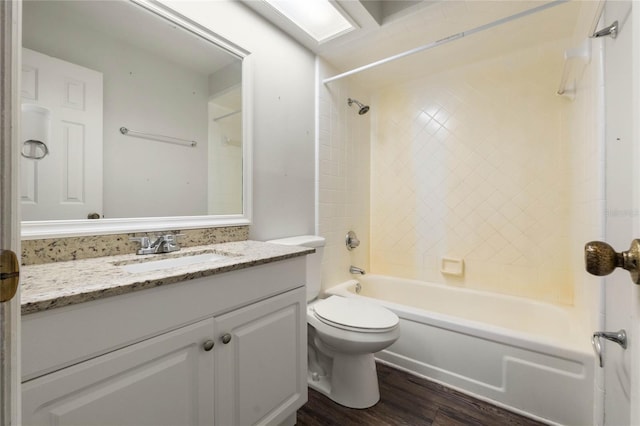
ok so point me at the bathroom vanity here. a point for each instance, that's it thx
(218, 343)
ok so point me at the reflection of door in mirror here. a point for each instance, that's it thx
(62, 107)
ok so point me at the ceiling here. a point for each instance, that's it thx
(132, 24)
(389, 27)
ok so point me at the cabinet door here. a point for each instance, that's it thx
(261, 372)
(166, 380)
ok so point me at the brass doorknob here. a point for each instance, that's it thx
(601, 259)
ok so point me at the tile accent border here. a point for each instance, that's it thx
(36, 252)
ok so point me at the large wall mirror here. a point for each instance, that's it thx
(133, 119)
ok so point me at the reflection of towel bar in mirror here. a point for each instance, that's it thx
(160, 138)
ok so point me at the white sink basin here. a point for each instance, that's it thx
(174, 262)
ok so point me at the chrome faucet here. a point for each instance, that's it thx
(356, 270)
(163, 244)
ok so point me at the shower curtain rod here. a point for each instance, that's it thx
(446, 40)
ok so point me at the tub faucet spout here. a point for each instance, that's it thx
(356, 270)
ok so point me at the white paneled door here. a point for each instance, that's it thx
(622, 217)
(9, 216)
(61, 107)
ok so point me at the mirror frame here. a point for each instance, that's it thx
(32, 230)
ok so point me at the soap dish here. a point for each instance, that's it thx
(452, 266)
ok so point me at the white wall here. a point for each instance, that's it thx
(225, 78)
(344, 170)
(141, 177)
(283, 116)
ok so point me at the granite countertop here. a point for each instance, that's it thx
(53, 285)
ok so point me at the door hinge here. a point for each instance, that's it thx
(9, 275)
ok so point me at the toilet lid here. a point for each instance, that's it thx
(353, 313)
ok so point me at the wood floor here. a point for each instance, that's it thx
(409, 400)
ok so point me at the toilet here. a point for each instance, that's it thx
(343, 335)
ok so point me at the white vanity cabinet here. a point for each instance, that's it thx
(166, 380)
(225, 350)
(254, 380)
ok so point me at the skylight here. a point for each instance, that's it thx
(318, 18)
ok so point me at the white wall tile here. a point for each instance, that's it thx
(483, 163)
(472, 163)
(343, 178)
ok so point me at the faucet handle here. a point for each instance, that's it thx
(352, 240)
(172, 238)
(166, 243)
(144, 241)
(145, 245)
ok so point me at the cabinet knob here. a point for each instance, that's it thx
(208, 345)
(226, 338)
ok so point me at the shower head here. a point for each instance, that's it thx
(363, 108)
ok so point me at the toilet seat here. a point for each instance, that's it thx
(354, 315)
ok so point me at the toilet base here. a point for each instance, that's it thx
(353, 381)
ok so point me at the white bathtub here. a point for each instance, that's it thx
(533, 358)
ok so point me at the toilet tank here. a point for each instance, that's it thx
(314, 261)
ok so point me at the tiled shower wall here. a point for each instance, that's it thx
(343, 177)
(475, 164)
